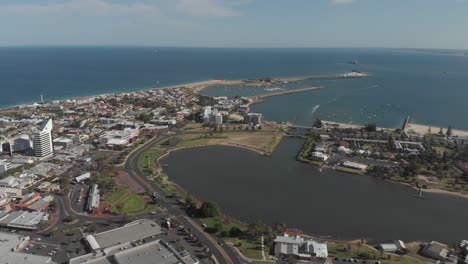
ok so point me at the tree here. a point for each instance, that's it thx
(292, 260)
(449, 131)
(258, 228)
(318, 123)
(371, 127)
(189, 203)
(71, 218)
(210, 209)
(65, 183)
(235, 232)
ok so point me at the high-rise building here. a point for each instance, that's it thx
(19, 144)
(253, 118)
(42, 139)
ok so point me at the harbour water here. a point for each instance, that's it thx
(333, 204)
(431, 88)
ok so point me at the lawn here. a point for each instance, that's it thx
(170, 189)
(131, 204)
(340, 250)
(116, 196)
(250, 249)
(151, 155)
(192, 143)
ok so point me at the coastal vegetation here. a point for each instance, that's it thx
(147, 161)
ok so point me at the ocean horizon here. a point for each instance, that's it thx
(427, 86)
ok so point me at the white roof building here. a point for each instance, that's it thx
(10, 251)
(354, 165)
(320, 156)
(83, 177)
(286, 245)
(23, 219)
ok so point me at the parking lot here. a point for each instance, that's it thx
(78, 197)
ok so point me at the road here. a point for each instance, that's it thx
(220, 250)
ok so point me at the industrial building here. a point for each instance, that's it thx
(93, 198)
(11, 246)
(133, 231)
(23, 220)
(157, 251)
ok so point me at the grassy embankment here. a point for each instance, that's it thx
(146, 162)
(249, 248)
(360, 251)
(307, 148)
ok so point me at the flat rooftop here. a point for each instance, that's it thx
(10, 242)
(156, 251)
(134, 231)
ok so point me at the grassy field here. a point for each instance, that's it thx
(342, 250)
(357, 251)
(250, 249)
(192, 143)
(151, 155)
(131, 204)
(116, 196)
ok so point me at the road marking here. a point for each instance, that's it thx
(47, 244)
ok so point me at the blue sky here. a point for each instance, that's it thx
(236, 23)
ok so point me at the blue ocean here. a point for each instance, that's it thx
(431, 88)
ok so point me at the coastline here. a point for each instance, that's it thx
(420, 129)
(198, 86)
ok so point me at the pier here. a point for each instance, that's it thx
(260, 98)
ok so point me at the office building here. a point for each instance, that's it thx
(42, 139)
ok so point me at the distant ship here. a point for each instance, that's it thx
(353, 62)
(156, 51)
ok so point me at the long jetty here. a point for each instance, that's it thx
(259, 98)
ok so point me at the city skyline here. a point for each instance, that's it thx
(236, 23)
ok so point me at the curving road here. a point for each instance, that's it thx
(220, 250)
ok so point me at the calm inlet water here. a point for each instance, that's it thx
(345, 206)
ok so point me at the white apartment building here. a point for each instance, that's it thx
(42, 139)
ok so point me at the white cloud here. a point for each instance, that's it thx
(85, 7)
(216, 8)
(341, 2)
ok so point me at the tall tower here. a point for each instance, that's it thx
(42, 139)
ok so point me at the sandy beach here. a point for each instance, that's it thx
(423, 129)
(412, 128)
